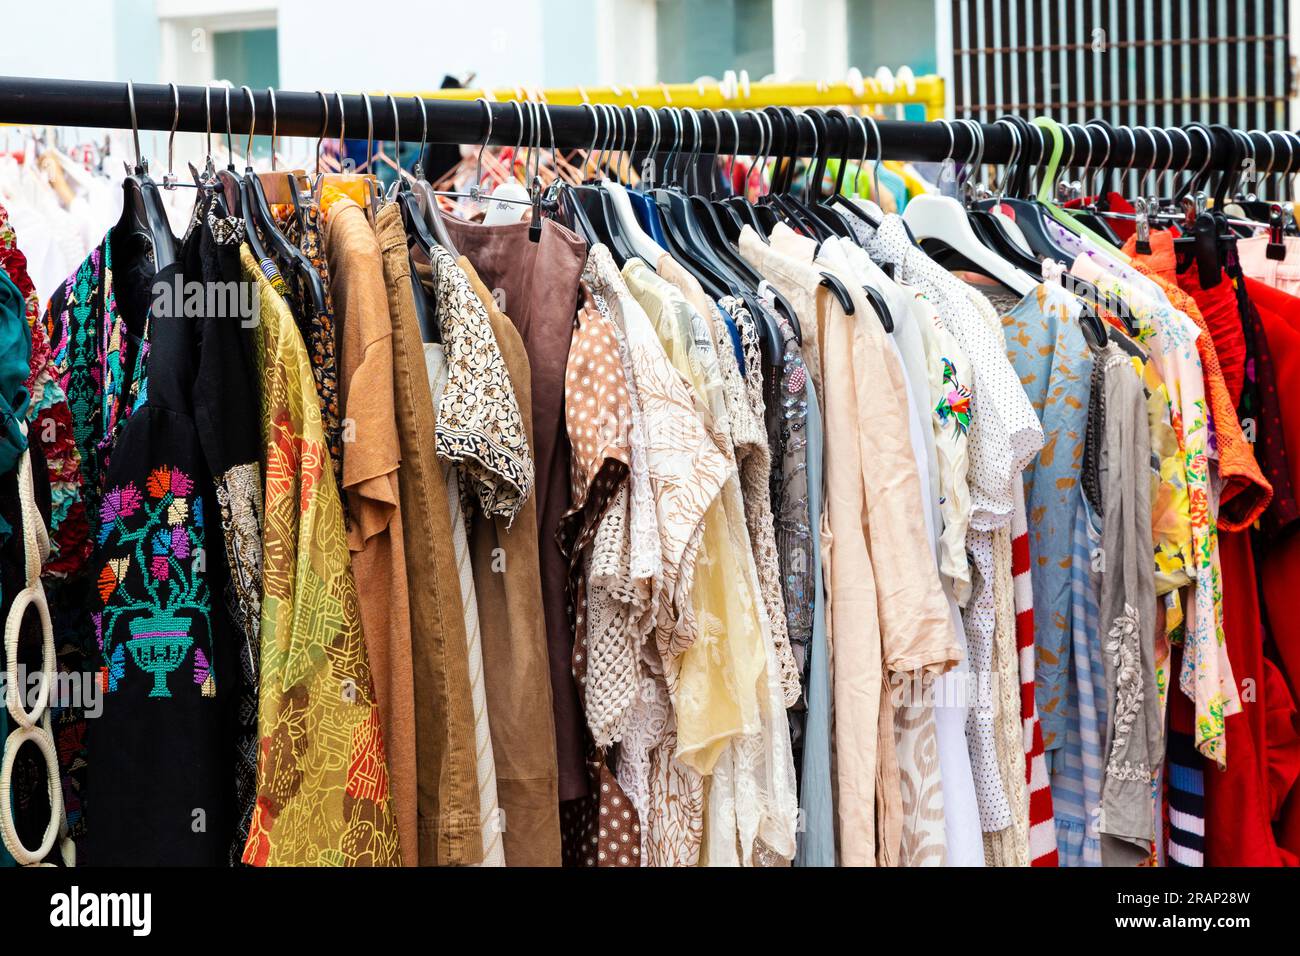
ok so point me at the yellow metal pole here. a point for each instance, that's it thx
(928, 91)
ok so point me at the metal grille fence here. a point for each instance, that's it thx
(1132, 62)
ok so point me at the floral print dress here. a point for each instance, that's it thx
(1206, 675)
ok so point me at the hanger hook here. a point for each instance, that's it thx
(679, 142)
(735, 148)
(1067, 160)
(636, 111)
(978, 129)
(1169, 159)
(370, 134)
(1209, 150)
(418, 169)
(487, 135)
(1272, 150)
(324, 125)
(1087, 163)
(656, 131)
(1090, 188)
(397, 133)
(1040, 161)
(758, 157)
(230, 147)
(342, 118)
(535, 146)
(595, 129)
(952, 139)
(1155, 156)
(1132, 152)
(169, 180)
(622, 137)
(135, 128)
(207, 116)
(699, 146)
(599, 134)
(612, 135)
(1291, 137)
(773, 154)
(607, 140)
(696, 148)
(880, 146)
(636, 134)
(684, 154)
(862, 158)
(598, 140)
(1248, 145)
(550, 130)
(976, 148)
(999, 190)
(1187, 156)
(769, 144)
(252, 127)
(717, 150)
(527, 107)
(1290, 157)
(519, 119)
(671, 143)
(807, 172)
(270, 92)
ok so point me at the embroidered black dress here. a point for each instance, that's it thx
(170, 436)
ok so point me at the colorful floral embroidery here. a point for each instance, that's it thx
(157, 533)
(955, 404)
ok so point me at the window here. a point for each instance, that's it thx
(707, 39)
(246, 57)
(880, 33)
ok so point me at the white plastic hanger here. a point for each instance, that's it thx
(943, 218)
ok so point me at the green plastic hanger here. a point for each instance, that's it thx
(1048, 186)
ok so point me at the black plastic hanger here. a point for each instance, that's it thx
(1084, 213)
(729, 218)
(597, 203)
(746, 279)
(760, 219)
(1204, 238)
(729, 225)
(290, 254)
(143, 213)
(829, 217)
(685, 240)
(801, 217)
(1030, 216)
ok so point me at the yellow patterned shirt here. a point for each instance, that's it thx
(322, 777)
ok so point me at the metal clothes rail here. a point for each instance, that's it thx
(100, 104)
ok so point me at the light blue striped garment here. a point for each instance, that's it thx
(1077, 769)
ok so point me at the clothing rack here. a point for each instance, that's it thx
(927, 91)
(196, 109)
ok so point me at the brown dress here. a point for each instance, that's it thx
(536, 285)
